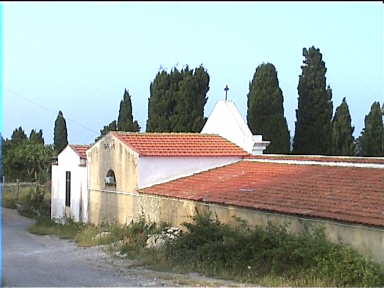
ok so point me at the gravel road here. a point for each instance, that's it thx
(47, 261)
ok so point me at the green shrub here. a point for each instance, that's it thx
(31, 200)
(250, 255)
(135, 236)
(34, 203)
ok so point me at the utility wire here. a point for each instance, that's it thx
(51, 111)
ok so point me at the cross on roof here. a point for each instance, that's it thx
(226, 90)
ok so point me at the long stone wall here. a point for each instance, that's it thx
(368, 241)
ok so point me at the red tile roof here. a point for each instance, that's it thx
(346, 194)
(80, 150)
(180, 144)
(318, 158)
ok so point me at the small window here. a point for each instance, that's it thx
(110, 179)
(68, 188)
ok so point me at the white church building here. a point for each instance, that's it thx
(69, 191)
(72, 176)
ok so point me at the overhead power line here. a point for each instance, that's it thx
(51, 111)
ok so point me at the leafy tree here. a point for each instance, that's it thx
(125, 120)
(372, 136)
(60, 140)
(26, 159)
(265, 113)
(342, 132)
(18, 136)
(36, 137)
(32, 159)
(315, 108)
(177, 100)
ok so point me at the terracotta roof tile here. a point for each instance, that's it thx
(340, 193)
(180, 144)
(80, 150)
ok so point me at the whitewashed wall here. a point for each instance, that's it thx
(68, 160)
(155, 170)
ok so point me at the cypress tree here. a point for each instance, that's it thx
(110, 127)
(265, 114)
(18, 136)
(125, 119)
(177, 100)
(342, 132)
(36, 137)
(315, 109)
(372, 137)
(199, 99)
(60, 138)
(159, 103)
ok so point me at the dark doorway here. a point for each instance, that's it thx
(68, 188)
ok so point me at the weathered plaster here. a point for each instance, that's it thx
(367, 240)
(110, 153)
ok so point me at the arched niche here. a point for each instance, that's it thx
(110, 179)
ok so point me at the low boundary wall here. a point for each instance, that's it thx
(124, 207)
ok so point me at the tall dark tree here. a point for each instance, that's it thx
(18, 136)
(161, 102)
(177, 100)
(315, 108)
(125, 119)
(110, 127)
(342, 132)
(60, 138)
(265, 113)
(36, 137)
(372, 136)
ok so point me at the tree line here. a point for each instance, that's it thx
(177, 100)
(176, 104)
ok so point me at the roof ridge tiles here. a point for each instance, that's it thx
(80, 149)
(164, 133)
(180, 144)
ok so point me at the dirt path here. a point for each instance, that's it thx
(46, 261)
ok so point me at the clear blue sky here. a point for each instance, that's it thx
(79, 57)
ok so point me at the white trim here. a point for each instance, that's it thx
(322, 156)
(308, 162)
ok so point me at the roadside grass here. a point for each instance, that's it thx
(8, 202)
(45, 226)
(269, 256)
(31, 200)
(10, 195)
(129, 238)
